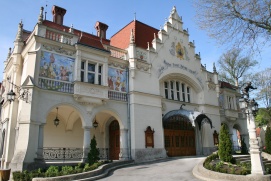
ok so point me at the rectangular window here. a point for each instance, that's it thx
(88, 72)
(188, 94)
(100, 75)
(82, 71)
(183, 92)
(178, 90)
(172, 90)
(166, 90)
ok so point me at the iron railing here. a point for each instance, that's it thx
(120, 96)
(54, 153)
(62, 153)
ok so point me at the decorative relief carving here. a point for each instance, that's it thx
(211, 85)
(141, 55)
(90, 90)
(114, 64)
(59, 50)
(142, 66)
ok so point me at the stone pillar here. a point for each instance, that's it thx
(40, 143)
(255, 153)
(86, 143)
(124, 155)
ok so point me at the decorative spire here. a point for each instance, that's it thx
(132, 37)
(148, 45)
(134, 16)
(154, 36)
(19, 36)
(71, 29)
(173, 10)
(40, 19)
(214, 68)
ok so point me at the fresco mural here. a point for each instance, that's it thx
(58, 67)
(117, 79)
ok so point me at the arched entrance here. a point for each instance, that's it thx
(114, 140)
(179, 136)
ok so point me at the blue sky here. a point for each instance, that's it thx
(83, 14)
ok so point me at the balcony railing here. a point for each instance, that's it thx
(58, 37)
(56, 85)
(120, 96)
(117, 53)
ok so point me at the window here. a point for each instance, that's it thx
(183, 92)
(166, 90)
(172, 90)
(90, 72)
(176, 90)
(188, 94)
(230, 101)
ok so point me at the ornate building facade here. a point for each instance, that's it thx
(143, 94)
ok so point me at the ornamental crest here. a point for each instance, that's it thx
(179, 51)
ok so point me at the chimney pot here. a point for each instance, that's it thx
(101, 29)
(58, 14)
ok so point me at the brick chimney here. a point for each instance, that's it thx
(58, 14)
(101, 29)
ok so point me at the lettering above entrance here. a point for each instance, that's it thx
(149, 141)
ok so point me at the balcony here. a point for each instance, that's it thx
(81, 89)
(55, 36)
(231, 113)
(117, 53)
(56, 85)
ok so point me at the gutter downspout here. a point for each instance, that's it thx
(128, 115)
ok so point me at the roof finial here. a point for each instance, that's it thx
(214, 68)
(154, 36)
(19, 36)
(134, 16)
(40, 19)
(45, 10)
(148, 45)
(9, 53)
(71, 29)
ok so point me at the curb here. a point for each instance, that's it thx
(202, 173)
(98, 173)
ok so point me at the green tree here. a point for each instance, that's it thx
(268, 140)
(263, 117)
(233, 66)
(225, 145)
(93, 155)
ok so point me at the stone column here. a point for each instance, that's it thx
(255, 153)
(124, 144)
(40, 143)
(86, 143)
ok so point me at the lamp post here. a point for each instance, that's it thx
(251, 107)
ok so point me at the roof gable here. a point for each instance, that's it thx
(142, 35)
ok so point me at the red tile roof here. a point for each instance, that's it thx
(85, 38)
(142, 34)
(227, 85)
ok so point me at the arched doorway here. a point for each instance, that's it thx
(179, 136)
(114, 140)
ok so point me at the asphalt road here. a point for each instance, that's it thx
(178, 168)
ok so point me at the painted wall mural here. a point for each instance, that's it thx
(57, 67)
(117, 79)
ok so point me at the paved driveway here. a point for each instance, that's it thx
(178, 168)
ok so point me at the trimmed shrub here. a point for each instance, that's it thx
(225, 145)
(52, 171)
(93, 155)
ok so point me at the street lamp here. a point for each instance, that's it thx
(11, 96)
(95, 123)
(250, 107)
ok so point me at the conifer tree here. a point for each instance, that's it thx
(93, 155)
(225, 145)
(268, 140)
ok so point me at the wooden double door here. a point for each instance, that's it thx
(114, 140)
(180, 139)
